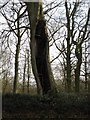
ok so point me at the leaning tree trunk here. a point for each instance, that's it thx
(40, 49)
(86, 75)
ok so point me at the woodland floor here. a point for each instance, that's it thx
(58, 107)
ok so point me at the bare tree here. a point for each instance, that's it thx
(40, 49)
(15, 31)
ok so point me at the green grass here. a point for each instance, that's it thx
(60, 106)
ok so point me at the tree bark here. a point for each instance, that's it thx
(17, 56)
(32, 9)
(28, 71)
(23, 88)
(78, 53)
(86, 74)
(5, 81)
(68, 50)
(40, 49)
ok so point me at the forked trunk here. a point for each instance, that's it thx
(40, 49)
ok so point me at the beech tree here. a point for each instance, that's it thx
(40, 49)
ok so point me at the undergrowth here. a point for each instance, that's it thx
(61, 105)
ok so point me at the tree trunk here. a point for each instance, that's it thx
(17, 57)
(5, 82)
(68, 68)
(32, 9)
(23, 89)
(78, 53)
(89, 83)
(68, 50)
(64, 76)
(40, 49)
(77, 77)
(42, 54)
(86, 80)
(28, 71)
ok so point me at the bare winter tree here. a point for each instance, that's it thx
(40, 49)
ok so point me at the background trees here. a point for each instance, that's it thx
(66, 23)
(73, 24)
(12, 35)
